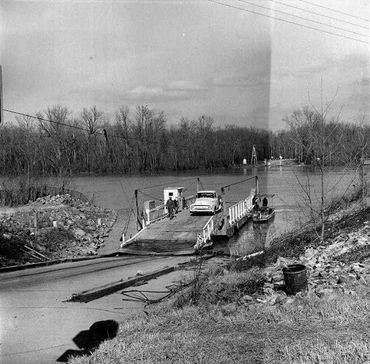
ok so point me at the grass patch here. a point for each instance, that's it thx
(215, 287)
(302, 332)
(347, 350)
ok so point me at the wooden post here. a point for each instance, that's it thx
(362, 179)
(35, 224)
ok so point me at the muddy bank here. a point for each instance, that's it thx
(52, 227)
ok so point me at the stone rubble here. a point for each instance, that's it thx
(81, 226)
(325, 271)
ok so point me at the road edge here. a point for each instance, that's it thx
(98, 292)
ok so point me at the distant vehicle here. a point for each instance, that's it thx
(206, 202)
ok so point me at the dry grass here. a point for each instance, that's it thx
(333, 329)
(210, 288)
(347, 350)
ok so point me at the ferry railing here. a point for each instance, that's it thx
(239, 210)
(205, 236)
(160, 211)
(155, 214)
(132, 239)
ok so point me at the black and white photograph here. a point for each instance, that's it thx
(184, 181)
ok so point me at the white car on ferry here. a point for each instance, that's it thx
(206, 202)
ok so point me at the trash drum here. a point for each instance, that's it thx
(295, 278)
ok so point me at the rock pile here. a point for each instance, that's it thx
(326, 271)
(59, 226)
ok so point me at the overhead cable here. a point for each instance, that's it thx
(238, 182)
(68, 125)
(47, 120)
(334, 10)
(288, 21)
(303, 18)
(319, 14)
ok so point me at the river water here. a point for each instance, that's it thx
(290, 185)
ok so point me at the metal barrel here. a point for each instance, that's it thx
(295, 278)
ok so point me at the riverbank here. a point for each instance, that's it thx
(52, 228)
(233, 312)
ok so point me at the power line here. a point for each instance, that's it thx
(289, 22)
(334, 10)
(47, 120)
(322, 15)
(68, 125)
(302, 18)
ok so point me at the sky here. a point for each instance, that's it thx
(234, 60)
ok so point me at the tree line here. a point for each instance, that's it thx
(55, 143)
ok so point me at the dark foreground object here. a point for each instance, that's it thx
(89, 340)
(295, 278)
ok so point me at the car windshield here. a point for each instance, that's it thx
(205, 194)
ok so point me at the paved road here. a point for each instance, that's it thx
(37, 325)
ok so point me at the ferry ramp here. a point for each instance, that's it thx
(177, 235)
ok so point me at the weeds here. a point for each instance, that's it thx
(220, 286)
(19, 190)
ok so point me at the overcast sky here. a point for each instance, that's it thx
(186, 58)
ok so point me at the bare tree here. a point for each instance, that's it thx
(92, 120)
(123, 124)
(320, 140)
(53, 125)
(28, 145)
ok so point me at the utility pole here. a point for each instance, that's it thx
(138, 222)
(1, 96)
(254, 156)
